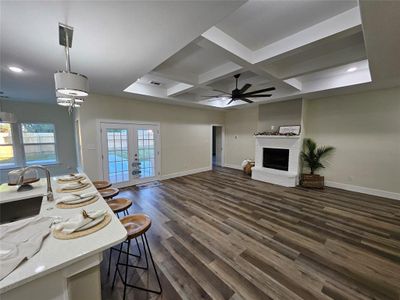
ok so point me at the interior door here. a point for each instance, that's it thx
(130, 153)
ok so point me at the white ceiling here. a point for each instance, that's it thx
(191, 48)
(114, 43)
(259, 23)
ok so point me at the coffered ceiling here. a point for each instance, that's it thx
(188, 51)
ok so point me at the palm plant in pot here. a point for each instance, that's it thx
(311, 157)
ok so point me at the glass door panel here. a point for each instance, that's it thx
(117, 154)
(146, 152)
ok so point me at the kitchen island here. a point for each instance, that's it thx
(62, 269)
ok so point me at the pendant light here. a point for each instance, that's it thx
(70, 86)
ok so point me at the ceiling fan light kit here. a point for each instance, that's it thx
(69, 85)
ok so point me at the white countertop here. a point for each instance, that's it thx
(58, 254)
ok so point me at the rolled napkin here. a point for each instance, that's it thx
(74, 199)
(82, 221)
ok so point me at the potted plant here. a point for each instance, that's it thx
(311, 157)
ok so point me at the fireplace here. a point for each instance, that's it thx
(276, 158)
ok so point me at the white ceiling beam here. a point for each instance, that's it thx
(225, 41)
(339, 23)
(295, 82)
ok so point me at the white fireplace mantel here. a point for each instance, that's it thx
(286, 178)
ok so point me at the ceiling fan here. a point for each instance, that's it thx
(240, 94)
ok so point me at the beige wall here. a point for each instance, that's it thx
(185, 132)
(365, 129)
(240, 126)
(279, 114)
(39, 112)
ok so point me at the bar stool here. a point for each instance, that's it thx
(119, 205)
(101, 184)
(109, 193)
(136, 225)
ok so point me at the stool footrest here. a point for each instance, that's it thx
(133, 266)
(138, 287)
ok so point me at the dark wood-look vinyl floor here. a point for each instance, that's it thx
(221, 235)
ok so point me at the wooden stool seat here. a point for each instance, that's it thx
(101, 184)
(109, 192)
(136, 225)
(119, 204)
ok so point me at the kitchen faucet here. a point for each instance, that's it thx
(50, 196)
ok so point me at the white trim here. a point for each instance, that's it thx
(237, 167)
(222, 143)
(364, 190)
(185, 173)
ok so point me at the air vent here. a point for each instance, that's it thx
(155, 83)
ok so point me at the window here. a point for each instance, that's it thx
(39, 143)
(6, 145)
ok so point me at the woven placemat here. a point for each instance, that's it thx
(77, 234)
(60, 181)
(87, 185)
(63, 205)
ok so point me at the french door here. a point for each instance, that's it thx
(130, 152)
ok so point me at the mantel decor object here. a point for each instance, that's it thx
(289, 129)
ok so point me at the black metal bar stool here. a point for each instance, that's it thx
(136, 225)
(120, 205)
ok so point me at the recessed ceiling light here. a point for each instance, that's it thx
(15, 69)
(352, 69)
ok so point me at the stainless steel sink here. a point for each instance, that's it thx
(20, 209)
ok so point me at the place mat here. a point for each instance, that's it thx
(64, 205)
(64, 181)
(87, 185)
(77, 234)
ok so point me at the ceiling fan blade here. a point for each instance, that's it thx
(259, 96)
(230, 102)
(246, 100)
(222, 92)
(260, 91)
(245, 88)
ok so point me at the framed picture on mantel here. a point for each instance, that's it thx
(290, 129)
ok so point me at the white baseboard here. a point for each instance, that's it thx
(238, 167)
(184, 173)
(364, 190)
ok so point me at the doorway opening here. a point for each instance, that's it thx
(217, 145)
